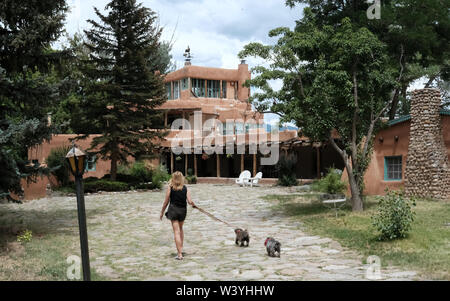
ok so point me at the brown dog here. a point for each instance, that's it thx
(242, 237)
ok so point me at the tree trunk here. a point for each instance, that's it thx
(357, 204)
(394, 105)
(113, 167)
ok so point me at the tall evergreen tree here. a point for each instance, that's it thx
(27, 29)
(125, 85)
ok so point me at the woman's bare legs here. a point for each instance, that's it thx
(177, 237)
(181, 233)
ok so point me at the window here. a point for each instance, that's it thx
(213, 88)
(184, 84)
(239, 128)
(176, 90)
(169, 91)
(90, 164)
(224, 89)
(228, 128)
(198, 87)
(393, 168)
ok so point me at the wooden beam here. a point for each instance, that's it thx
(218, 165)
(242, 162)
(165, 118)
(195, 164)
(254, 165)
(171, 162)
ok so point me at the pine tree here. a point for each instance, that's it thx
(27, 29)
(125, 86)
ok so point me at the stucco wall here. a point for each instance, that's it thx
(374, 178)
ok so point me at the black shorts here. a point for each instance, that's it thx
(175, 213)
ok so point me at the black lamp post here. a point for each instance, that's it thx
(77, 160)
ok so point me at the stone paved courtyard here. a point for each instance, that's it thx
(128, 241)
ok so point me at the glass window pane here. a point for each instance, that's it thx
(176, 90)
(169, 91)
(224, 89)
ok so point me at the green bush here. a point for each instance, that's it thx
(191, 179)
(105, 185)
(394, 215)
(331, 183)
(286, 168)
(141, 172)
(159, 176)
(57, 162)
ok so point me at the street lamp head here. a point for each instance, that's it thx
(76, 158)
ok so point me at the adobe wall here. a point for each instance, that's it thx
(428, 167)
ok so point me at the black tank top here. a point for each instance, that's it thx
(178, 197)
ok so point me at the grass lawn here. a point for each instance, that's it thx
(425, 250)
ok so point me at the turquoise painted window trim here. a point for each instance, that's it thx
(184, 84)
(392, 167)
(224, 89)
(169, 91)
(91, 164)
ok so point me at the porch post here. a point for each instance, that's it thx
(254, 165)
(242, 162)
(171, 161)
(195, 164)
(165, 119)
(185, 164)
(218, 165)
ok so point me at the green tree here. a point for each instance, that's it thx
(124, 86)
(27, 29)
(334, 78)
(416, 30)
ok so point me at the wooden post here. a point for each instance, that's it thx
(165, 118)
(185, 164)
(254, 165)
(218, 165)
(195, 164)
(242, 162)
(171, 162)
(318, 162)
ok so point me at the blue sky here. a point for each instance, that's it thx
(215, 30)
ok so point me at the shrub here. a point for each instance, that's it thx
(394, 215)
(57, 162)
(331, 183)
(25, 236)
(191, 179)
(159, 176)
(140, 172)
(286, 171)
(105, 185)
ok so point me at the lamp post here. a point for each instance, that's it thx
(77, 160)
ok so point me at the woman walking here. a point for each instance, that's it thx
(177, 193)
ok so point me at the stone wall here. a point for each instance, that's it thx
(427, 165)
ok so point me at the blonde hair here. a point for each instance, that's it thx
(177, 181)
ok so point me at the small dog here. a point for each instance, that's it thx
(242, 237)
(273, 247)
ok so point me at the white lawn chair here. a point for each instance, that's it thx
(254, 181)
(243, 178)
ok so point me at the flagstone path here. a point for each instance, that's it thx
(128, 241)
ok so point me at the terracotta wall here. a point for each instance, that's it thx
(374, 178)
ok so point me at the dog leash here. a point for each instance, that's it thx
(219, 220)
(213, 217)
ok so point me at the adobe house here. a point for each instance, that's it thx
(413, 152)
(216, 99)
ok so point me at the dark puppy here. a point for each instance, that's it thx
(273, 247)
(242, 237)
